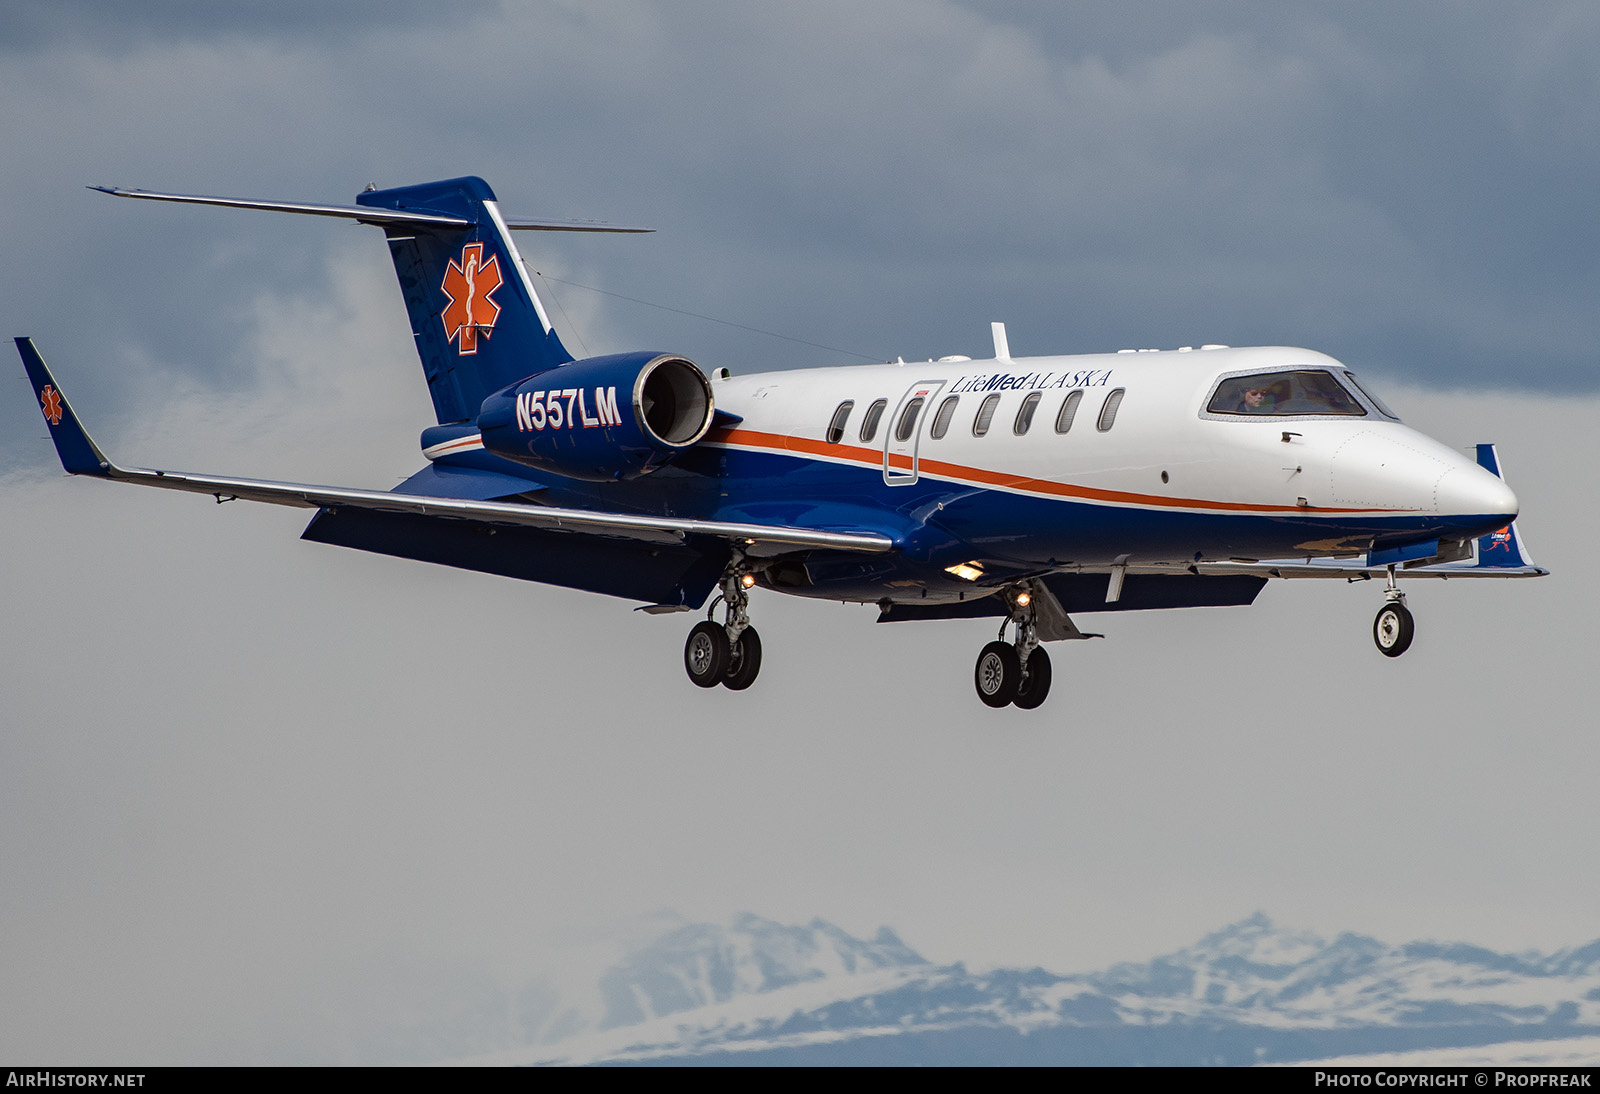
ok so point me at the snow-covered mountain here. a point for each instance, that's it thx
(699, 965)
(757, 991)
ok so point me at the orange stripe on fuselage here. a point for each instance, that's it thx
(751, 438)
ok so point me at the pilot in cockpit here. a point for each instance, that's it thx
(1262, 400)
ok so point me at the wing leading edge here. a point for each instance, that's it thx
(81, 456)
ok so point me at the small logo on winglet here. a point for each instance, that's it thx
(470, 284)
(50, 399)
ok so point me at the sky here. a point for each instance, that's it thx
(252, 790)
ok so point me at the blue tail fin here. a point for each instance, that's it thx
(477, 322)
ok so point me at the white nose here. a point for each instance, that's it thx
(1469, 490)
(1402, 469)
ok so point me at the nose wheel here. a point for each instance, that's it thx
(1016, 672)
(1393, 628)
(726, 653)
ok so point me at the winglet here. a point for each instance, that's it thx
(78, 453)
(1502, 549)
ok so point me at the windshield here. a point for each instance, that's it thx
(1373, 399)
(1279, 394)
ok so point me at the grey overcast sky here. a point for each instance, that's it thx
(248, 786)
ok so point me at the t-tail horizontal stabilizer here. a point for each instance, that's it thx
(477, 322)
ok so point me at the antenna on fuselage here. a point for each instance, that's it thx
(1002, 349)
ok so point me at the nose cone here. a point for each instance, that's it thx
(1398, 468)
(1467, 490)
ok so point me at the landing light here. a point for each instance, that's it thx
(1023, 600)
(748, 581)
(966, 571)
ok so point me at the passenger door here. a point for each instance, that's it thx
(904, 432)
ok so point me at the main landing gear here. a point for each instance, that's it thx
(1394, 628)
(1017, 672)
(726, 653)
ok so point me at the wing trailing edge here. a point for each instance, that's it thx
(81, 456)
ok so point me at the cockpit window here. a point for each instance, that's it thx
(1282, 394)
(1373, 399)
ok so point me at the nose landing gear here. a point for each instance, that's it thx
(1017, 672)
(1393, 628)
(726, 653)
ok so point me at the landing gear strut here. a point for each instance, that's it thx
(1394, 628)
(726, 653)
(1016, 672)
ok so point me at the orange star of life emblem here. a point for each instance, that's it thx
(469, 284)
(50, 399)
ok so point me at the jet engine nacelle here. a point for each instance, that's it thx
(602, 418)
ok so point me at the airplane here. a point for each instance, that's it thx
(1024, 490)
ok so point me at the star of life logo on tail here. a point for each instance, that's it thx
(470, 285)
(50, 400)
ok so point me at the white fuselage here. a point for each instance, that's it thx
(1167, 451)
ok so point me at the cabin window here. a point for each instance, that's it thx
(1108, 410)
(1025, 413)
(908, 419)
(840, 417)
(1069, 410)
(980, 424)
(1284, 394)
(869, 424)
(941, 420)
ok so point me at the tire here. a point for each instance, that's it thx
(706, 654)
(1393, 630)
(744, 661)
(1035, 687)
(997, 674)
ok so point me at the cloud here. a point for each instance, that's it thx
(885, 179)
(30, 25)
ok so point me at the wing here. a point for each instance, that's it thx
(1360, 571)
(81, 456)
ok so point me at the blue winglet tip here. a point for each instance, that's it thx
(1489, 460)
(79, 455)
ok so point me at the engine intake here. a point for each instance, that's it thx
(571, 421)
